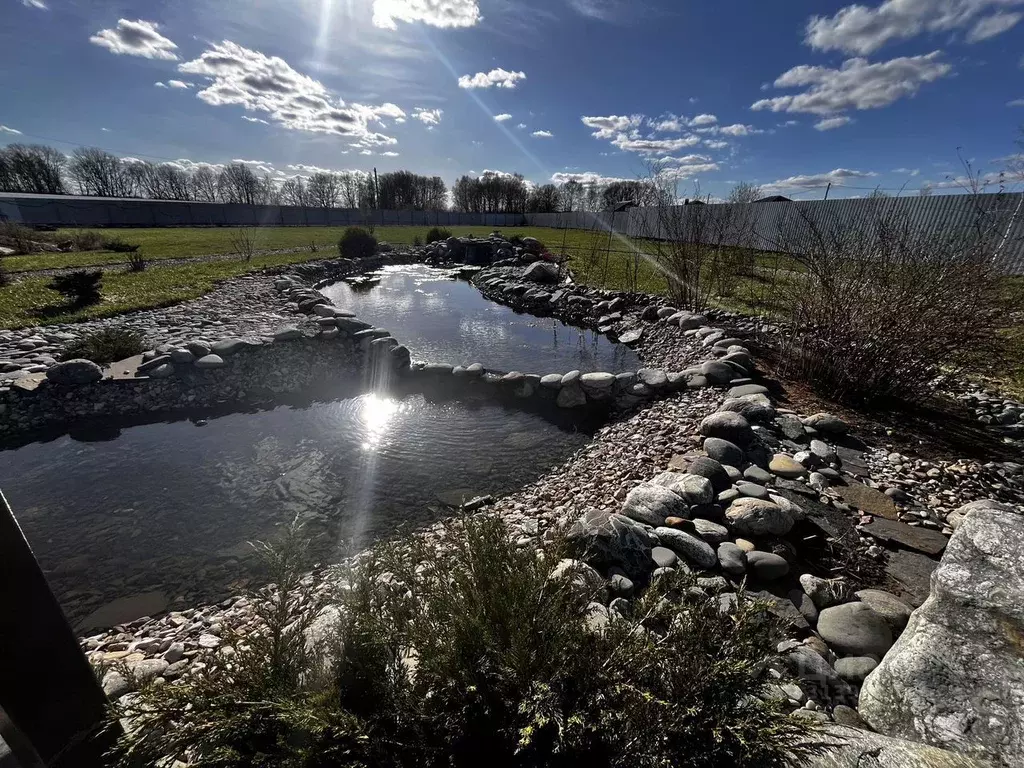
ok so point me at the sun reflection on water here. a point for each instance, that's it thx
(376, 412)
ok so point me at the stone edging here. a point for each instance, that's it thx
(198, 375)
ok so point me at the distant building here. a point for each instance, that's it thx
(774, 199)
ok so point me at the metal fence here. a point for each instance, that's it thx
(999, 218)
(74, 211)
(762, 226)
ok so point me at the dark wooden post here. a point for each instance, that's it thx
(47, 687)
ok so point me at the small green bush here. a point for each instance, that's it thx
(87, 240)
(5, 278)
(445, 658)
(417, 241)
(106, 346)
(357, 243)
(436, 234)
(18, 237)
(136, 262)
(118, 245)
(81, 287)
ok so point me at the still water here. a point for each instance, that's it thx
(169, 507)
(443, 320)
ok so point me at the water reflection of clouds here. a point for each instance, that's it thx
(445, 320)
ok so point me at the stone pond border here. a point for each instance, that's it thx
(199, 375)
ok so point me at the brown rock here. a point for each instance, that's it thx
(921, 539)
(866, 499)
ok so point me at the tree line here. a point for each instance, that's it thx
(36, 168)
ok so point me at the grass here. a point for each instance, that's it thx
(29, 302)
(478, 651)
(178, 243)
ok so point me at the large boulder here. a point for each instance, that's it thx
(844, 747)
(74, 372)
(542, 272)
(757, 517)
(606, 540)
(652, 504)
(955, 678)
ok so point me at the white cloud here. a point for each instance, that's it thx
(105, 130)
(254, 119)
(587, 178)
(863, 30)
(654, 146)
(830, 123)
(496, 78)
(308, 170)
(992, 26)
(715, 144)
(670, 124)
(136, 38)
(366, 152)
(543, 134)
(906, 171)
(158, 84)
(739, 129)
(858, 84)
(521, 126)
(428, 116)
(702, 120)
(789, 124)
(836, 177)
(180, 84)
(8, 129)
(436, 13)
(389, 154)
(602, 10)
(242, 77)
(34, 4)
(502, 117)
(609, 127)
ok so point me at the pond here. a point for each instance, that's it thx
(443, 320)
(166, 509)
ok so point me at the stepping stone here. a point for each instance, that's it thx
(917, 538)
(869, 500)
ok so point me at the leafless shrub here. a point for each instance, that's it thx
(693, 244)
(885, 308)
(243, 241)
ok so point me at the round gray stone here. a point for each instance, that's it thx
(853, 629)
(724, 451)
(651, 504)
(732, 559)
(855, 669)
(693, 549)
(767, 566)
(727, 425)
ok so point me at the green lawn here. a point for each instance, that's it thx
(30, 302)
(176, 243)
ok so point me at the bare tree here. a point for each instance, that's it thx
(571, 195)
(238, 184)
(204, 184)
(324, 190)
(97, 172)
(32, 168)
(294, 192)
(745, 192)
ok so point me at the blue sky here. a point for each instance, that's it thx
(790, 95)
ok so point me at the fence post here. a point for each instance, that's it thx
(47, 687)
